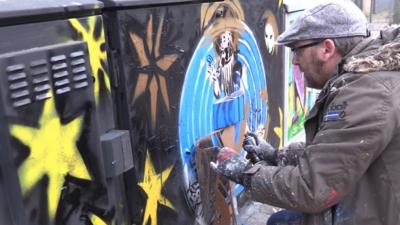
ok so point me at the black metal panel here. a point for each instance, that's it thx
(5, 201)
(55, 99)
(28, 11)
(145, 3)
(11, 202)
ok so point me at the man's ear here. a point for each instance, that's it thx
(329, 49)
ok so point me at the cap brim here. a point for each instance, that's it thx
(284, 43)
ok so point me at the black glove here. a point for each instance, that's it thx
(231, 165)
(255, 145)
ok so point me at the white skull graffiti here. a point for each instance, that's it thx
(271, 32)
(269, 38)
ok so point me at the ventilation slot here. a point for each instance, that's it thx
(18, 85)
(79, 71)
(40, 79)
(60, 74)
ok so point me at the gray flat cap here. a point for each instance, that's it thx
(331, 19)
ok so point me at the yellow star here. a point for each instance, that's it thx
(152, 185)
(278, 130)
(150, 79)
(53, 153)
(95, 40)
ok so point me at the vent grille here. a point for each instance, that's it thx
(35, 75)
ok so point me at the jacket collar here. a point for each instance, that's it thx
(375, 54)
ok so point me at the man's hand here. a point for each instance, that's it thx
(256, 146)
(231, 165)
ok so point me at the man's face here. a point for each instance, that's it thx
(305, 55)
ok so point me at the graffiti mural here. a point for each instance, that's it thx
(182, 79)
(299, 99)
(195, 77)
(226, 81)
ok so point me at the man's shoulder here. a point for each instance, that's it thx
(388, 79)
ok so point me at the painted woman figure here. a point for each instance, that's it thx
(225, 71)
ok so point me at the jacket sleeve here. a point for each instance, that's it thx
(339, 155)
(290, 154)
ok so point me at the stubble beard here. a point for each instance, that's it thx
(319, 64)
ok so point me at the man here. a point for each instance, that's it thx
(348, 170)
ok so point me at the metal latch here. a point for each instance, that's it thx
(117, 152)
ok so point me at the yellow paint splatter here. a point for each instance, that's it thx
(95, 220)
(97, 54)
(152, 185)
(53, 153)
(280, 3)
(279, 130)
